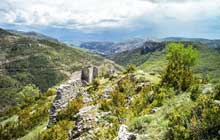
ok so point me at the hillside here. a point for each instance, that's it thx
(42, 63)
(33, 35)
(132, 104)
(154, 60)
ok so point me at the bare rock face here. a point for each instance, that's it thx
(151, 46)
(123, 134)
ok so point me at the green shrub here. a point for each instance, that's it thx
(179, 70)
(195, 92)
(198, 122)
(105, 105)
(106, 133)
(72, 109)
(29, 94)
(142, 100)
(11, 130)
(58, 131)
(130, 68)
(138, 123)
(50, 92)
(217, 92)
(179, 123)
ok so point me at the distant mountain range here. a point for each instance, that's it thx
(110, 48)
(215, 43)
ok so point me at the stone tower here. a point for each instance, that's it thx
(89, 73)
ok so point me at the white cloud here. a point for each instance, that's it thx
(104, 13)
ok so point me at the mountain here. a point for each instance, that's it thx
(214, 43)
(33, 35)
(139, 55)
(103, 48)
(109, 48)
(151, 57)
(37, 61)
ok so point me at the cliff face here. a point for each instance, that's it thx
(152, 46)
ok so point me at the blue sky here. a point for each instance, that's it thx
(83, 20)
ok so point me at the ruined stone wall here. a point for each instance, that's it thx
(89, 73)
(69, 90)
(65, 93)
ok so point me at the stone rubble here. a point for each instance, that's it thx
(86, 121)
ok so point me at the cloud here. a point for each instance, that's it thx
(92, 15)
(103, 13)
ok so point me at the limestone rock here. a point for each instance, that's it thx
(155, 109)
(207, 89)
(123, 134)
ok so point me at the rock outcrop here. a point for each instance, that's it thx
(151, 46)
(86, 123)
(86, 120)
(69, 90)
(123, 134)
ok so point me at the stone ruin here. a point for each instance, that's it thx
(69, 90)
(89, 73)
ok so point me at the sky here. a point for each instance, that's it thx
(113, 20)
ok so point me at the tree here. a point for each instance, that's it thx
(179, 70)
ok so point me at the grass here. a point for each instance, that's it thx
(156, 126)
(33, 134)
(13, 118)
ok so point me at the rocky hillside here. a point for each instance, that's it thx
(101, 103)
(39, 62)
(109, 48)
(135, 105)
